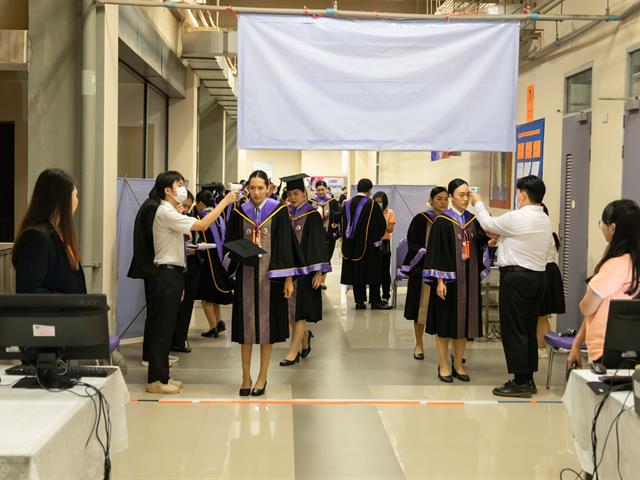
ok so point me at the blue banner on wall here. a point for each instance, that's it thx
(529, 150)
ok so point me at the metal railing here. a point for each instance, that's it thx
(7, 273)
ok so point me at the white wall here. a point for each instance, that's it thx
(605, 48)
(283, 162)
(183, 131)
(323, 163)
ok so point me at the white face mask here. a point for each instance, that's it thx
(181, 194)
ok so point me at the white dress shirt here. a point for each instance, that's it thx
(525, 236)
(169, 229)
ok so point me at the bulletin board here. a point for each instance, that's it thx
(529, 149)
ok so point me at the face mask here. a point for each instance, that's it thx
(181, 194)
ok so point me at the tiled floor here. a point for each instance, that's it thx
(402, 424)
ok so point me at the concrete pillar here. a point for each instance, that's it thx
(183, 132)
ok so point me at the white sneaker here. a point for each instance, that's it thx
(172, 361)
(163, 388)
(176, 383)
(543, 353)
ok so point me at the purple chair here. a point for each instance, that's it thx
(114, 343)
(558, 344)
(401, 253)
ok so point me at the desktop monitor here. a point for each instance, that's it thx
(622, 336)
(42, 329)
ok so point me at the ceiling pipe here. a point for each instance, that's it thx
(576, 33)
(332, 12)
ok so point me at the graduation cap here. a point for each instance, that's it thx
(244, 251)
(295, 182)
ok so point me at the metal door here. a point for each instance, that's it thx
(574, 213)
(631, 151)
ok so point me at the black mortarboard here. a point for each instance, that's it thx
(244, 251)
(295, 182)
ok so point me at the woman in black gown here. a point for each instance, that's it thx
(418, 292)
(457, 260)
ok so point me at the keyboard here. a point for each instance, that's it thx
(72, 372)
(616, 380)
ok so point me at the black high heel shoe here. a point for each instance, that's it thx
(287, 363)
(245, 392)
(210, 333)
(306, 351)
(445, 379)
(258, 392)
(463, 377)
(418, 356)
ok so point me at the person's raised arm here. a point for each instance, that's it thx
(502, 225)
(206, 222)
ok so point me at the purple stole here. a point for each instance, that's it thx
(301, 210)
(249, 210)
(351, 223)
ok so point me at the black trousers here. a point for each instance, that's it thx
(360, 293)
(145, 338)
(386, 268)
(166, 287)
(521, 294)
(191, 282)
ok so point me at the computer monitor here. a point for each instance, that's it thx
(42, 329)
(622, 337)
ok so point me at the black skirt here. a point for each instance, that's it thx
(553, 299)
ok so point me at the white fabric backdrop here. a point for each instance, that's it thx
(332, 84)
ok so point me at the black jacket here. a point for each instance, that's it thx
(42, 264)
(143, 251)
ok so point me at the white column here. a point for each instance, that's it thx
(183, 132)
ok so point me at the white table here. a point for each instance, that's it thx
(43, 434)
(580, 402)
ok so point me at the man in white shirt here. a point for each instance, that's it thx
(525, 238)
(166, 284)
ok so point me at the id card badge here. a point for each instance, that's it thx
(466, 253)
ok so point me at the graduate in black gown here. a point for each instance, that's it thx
(329, 210)
(418, 291)
(306, 303)
(266, 223)
(215, 287)
(457, 260)
(363, 226)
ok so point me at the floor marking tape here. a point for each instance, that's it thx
(347, 402)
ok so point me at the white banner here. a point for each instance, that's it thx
(332, 84)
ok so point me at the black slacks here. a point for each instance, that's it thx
(360, 293)
(521, 292)
(191, 282)
(145, 338)
(386, 269)
(166, 287)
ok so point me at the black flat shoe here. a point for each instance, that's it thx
(287, 363)
(306, 351)
(380, 306)
(418, 356)
(181, 349)
(445, 379)
(512, 389)
(361, 306)
(463, 377)
(258, 392)
(211, 333)
(221, 327)
(464, 360)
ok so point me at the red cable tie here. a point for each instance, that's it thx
(230, 8)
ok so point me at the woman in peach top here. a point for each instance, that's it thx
(617, 276)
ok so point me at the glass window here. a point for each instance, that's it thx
(156, 133)
(634, 74)
(131, 90)
(578, 92)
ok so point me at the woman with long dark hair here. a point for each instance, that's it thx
(215, 287)
(46, 255)
(329, 209)
(390, 219)
(265, 222)
(418, 292)
(616, 277)
(457, 260)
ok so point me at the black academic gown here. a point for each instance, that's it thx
(330, 216)
(215, 285)
(361, 262)
(413, 264)
(459, 315)
(308, 228)
(281, 260)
